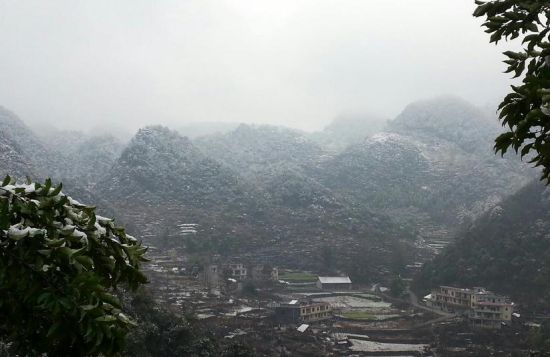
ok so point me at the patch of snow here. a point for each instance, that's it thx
(372, 346)
(17, 231)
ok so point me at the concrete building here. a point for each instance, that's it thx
(452, 299)
(490, 310)
(302, 312)
(265, 273)
(483, 308)
(237, 271)
(334, 283)
(211, 276)
(216, 273)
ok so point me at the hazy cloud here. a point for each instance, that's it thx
(85, 64)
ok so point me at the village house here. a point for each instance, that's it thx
(264, 273)
(334, 283)
(490, 310)
(237, 271)
(451, 299)
(302, 311)
(483, 308)
(211, 277)
(214, 274)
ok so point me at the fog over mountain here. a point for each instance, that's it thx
(423, 174)
(366, 202)
(243, 178)
(294, 63)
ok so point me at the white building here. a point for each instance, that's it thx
(334, 283)
(238, 271)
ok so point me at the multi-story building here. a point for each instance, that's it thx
(214, 274)
(315, 311)
(483, 308)
(264, 273)
(302, 312)
(237, 271)
(452, 299)
(490, 310)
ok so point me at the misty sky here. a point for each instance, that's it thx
(127, 63)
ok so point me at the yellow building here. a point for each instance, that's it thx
(483, 308)
(490, 310)
(303, 311)
(315, 312)
(451, 299)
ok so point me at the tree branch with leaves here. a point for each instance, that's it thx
(525, 112)
(60, 265)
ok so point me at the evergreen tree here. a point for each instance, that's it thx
(60, 265)
(525, 112)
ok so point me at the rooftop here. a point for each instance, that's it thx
(335, 280)
(464, 290)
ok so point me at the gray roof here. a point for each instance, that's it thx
(335, 280)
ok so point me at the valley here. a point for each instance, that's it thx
(378, 210)
(275, 178)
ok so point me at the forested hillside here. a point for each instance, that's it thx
(252, 149)
(285, 194)
(507, 249)
(433, 166)
(23, 153)
(347, 130)
(162, 180)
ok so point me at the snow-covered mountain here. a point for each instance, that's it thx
(162, 180)
(271, 191)
(252, 149)
(433, 165)
(347, 130)
(23, 153)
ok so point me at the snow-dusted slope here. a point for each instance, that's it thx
(22, 152)
(162, 181)
(434, 165)
(275, 189)
(450, 119)
(252, 149)
(348, 130)
(161, 161)
(506, 249)
(92, 159)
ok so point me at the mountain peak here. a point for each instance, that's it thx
(449, 118)
(443, 111)
(9, 117)
(161, 138)
(153, 131)
(35, 158)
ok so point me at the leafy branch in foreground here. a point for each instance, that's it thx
(526, 110)
(59, 266)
